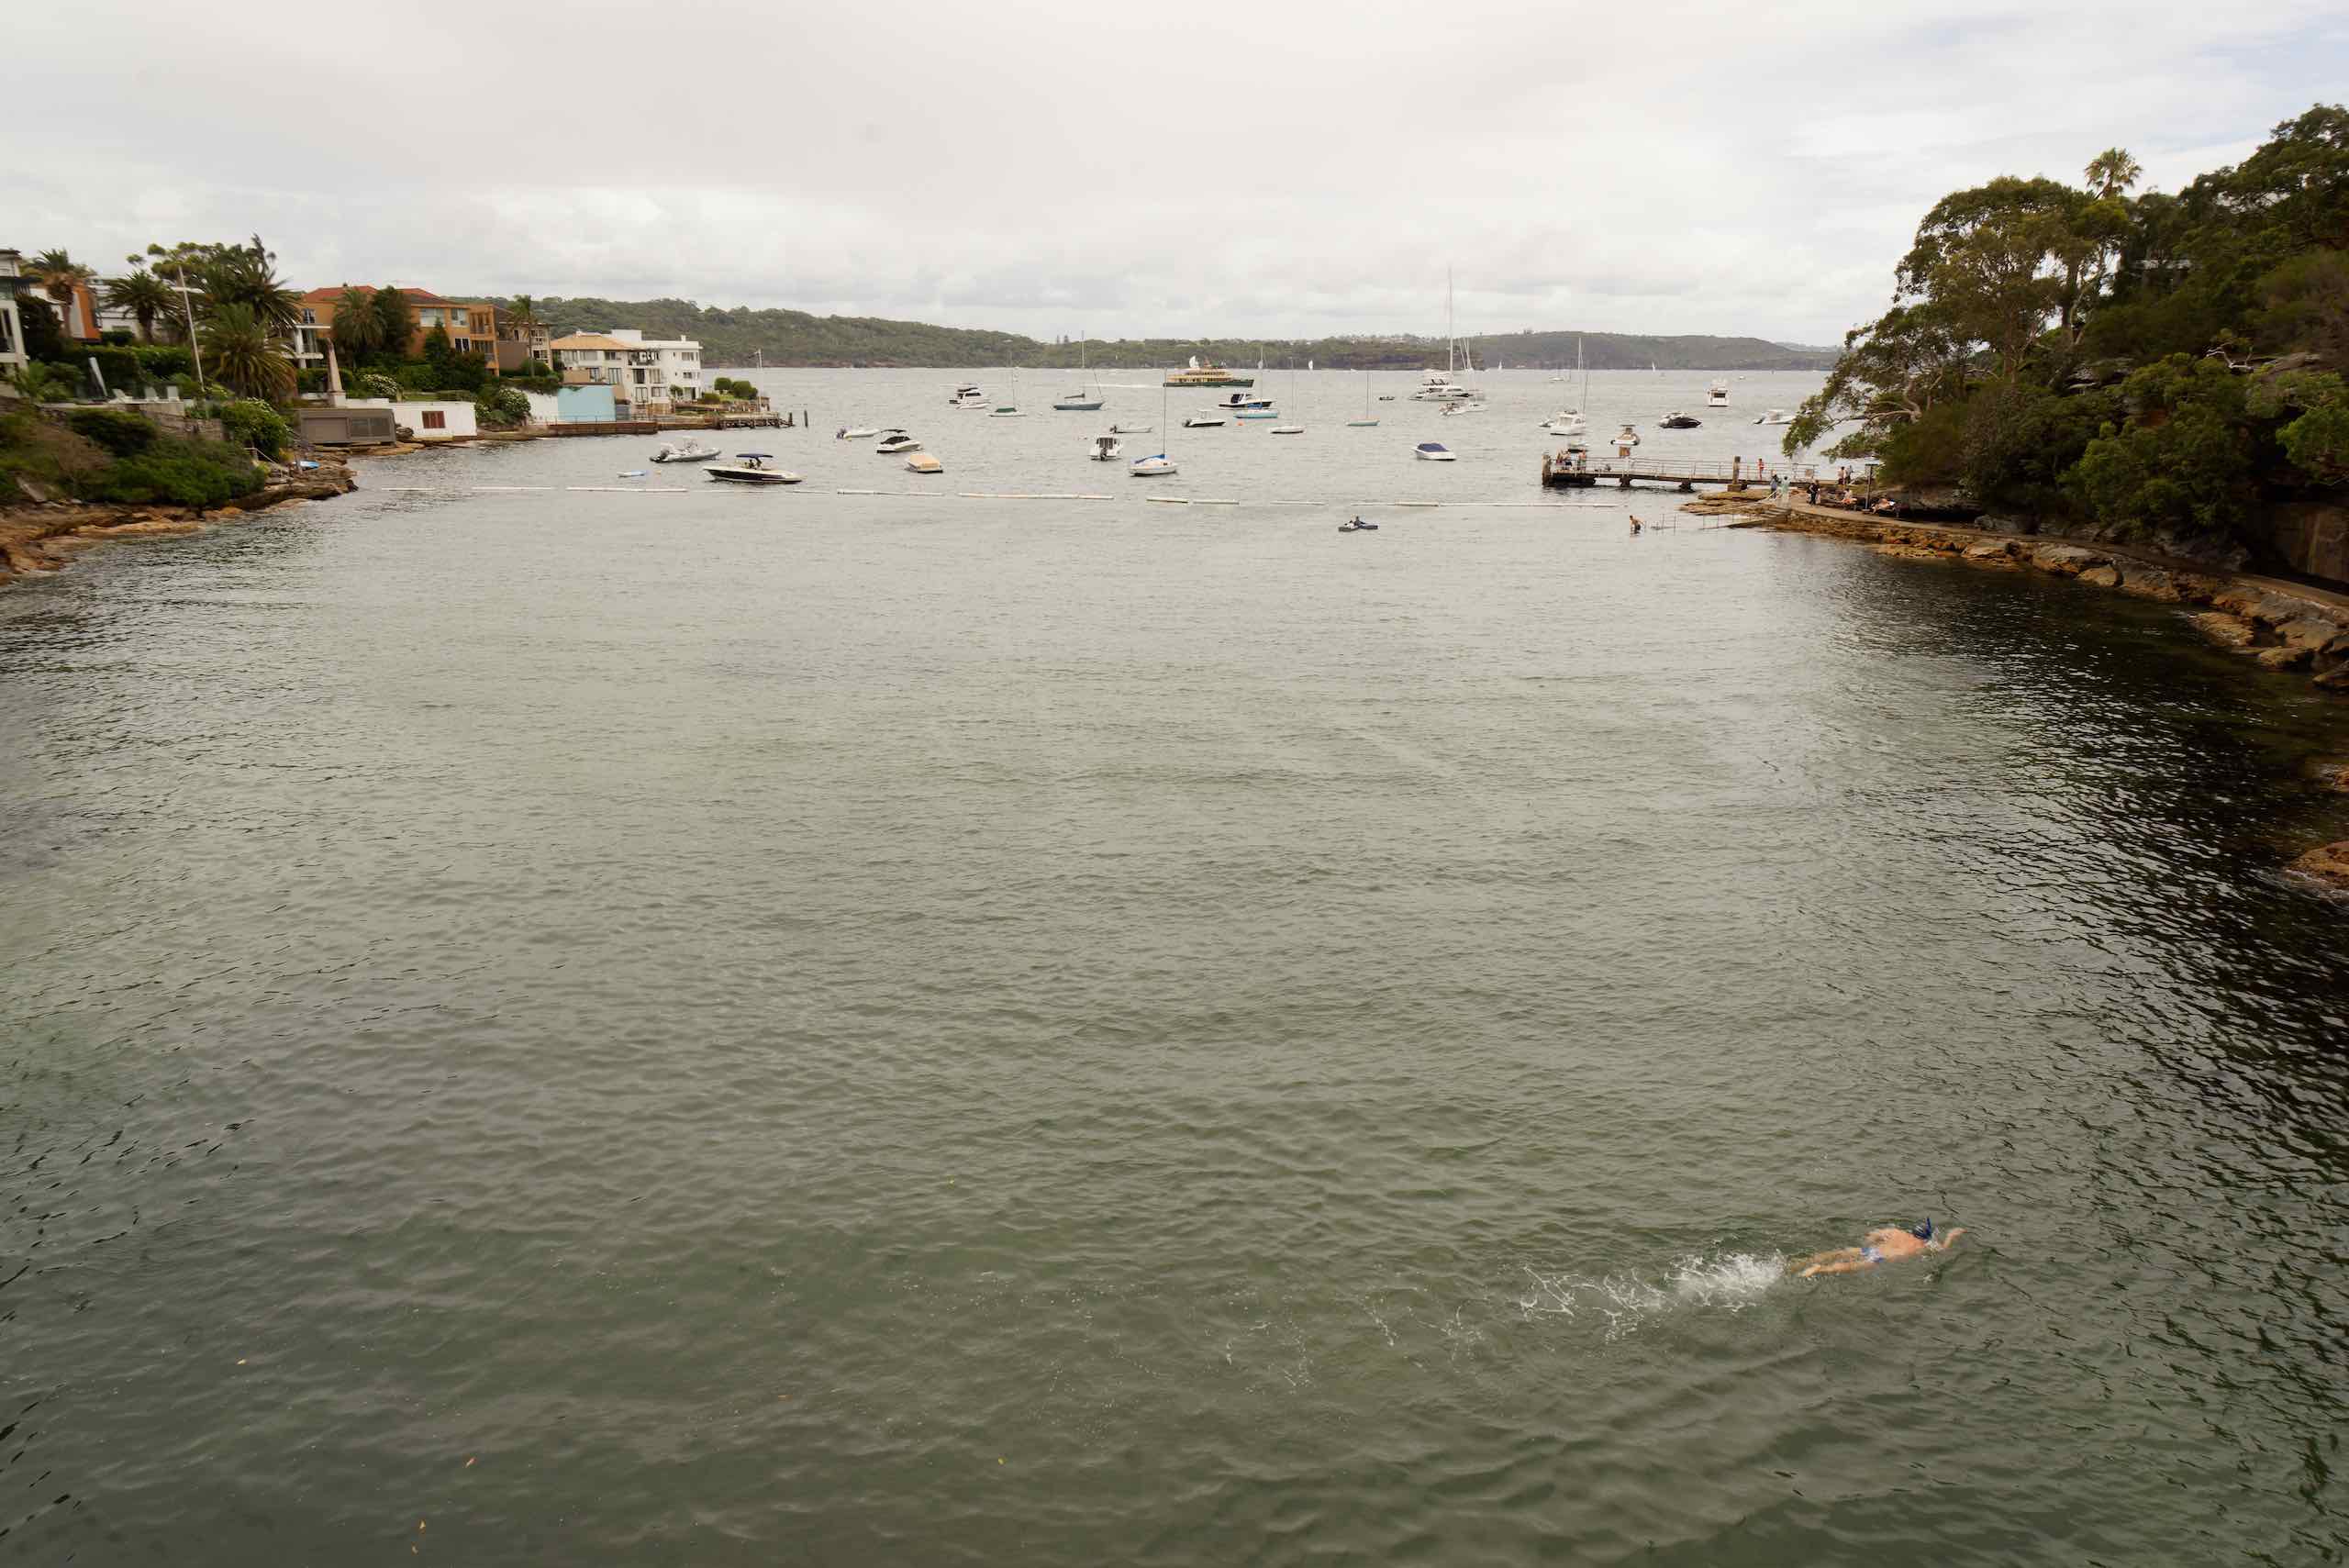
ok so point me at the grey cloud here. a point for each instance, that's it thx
(1310, 167)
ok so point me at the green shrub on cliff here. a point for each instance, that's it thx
(250, 422)
(44, 452)
(179, 471)
(121, 432)
(2181, 462)
(498, 407)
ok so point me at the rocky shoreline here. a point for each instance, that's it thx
(42, 538)
(2280, 626)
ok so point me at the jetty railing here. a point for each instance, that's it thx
(1573, 471)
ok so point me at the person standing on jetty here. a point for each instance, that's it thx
(1890, 1243)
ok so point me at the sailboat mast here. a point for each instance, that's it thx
(1451, 333)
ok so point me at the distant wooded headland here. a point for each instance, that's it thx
(741, 336)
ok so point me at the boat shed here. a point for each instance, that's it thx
(346, 427)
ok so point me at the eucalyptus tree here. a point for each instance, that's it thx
(394, 321)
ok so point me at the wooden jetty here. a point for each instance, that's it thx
(654, 426)
(1580, 471)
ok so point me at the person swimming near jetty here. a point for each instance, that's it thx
(1889, 1244)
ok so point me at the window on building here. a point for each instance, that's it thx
(427, 318)
(436, 420)
(459, 318)
(463, 345)
(309, 318)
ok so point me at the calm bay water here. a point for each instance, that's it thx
(750, 1027)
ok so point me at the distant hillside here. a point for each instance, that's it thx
(735, 337)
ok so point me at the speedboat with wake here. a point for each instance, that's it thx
(1356, 526)
(752, 469)
(1774, 416)
(689, 450)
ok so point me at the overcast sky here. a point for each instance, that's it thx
(1245, 167)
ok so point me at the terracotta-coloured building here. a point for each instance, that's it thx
(473, 326)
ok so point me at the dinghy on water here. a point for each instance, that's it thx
(689, 450)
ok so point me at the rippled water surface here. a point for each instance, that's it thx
(552, 1026)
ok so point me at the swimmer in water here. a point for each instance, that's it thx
(1889, 1244)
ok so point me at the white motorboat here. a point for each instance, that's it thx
(1566, 422)
(1717, 394)
(899, 442)
(1131, 429)
(1774, 416)
(855, 433)
(1105, 449)
(689, 450)
(1434, 451)
(1234, 402)
(1676, 420)
(967, 394)
(1203, 422)
(752, 469)
(922, 463)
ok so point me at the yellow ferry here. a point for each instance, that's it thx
(1207, 375)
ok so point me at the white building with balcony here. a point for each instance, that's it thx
(12, 327)
(649, 374)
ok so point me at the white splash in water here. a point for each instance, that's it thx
(1735, 1280)
(1731, 1282)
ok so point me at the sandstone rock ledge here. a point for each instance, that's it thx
(38, 539)
(2329, 863)
(2278, 628)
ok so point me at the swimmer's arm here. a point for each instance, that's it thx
(1949, 1239)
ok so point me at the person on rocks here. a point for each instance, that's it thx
(1889, 1243)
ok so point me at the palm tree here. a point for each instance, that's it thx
(2112, 172)
(358, 330)
(246, 276)
(142, 293)
(243, 354)
(59, 275)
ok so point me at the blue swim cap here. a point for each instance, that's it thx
(1923, 1232)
